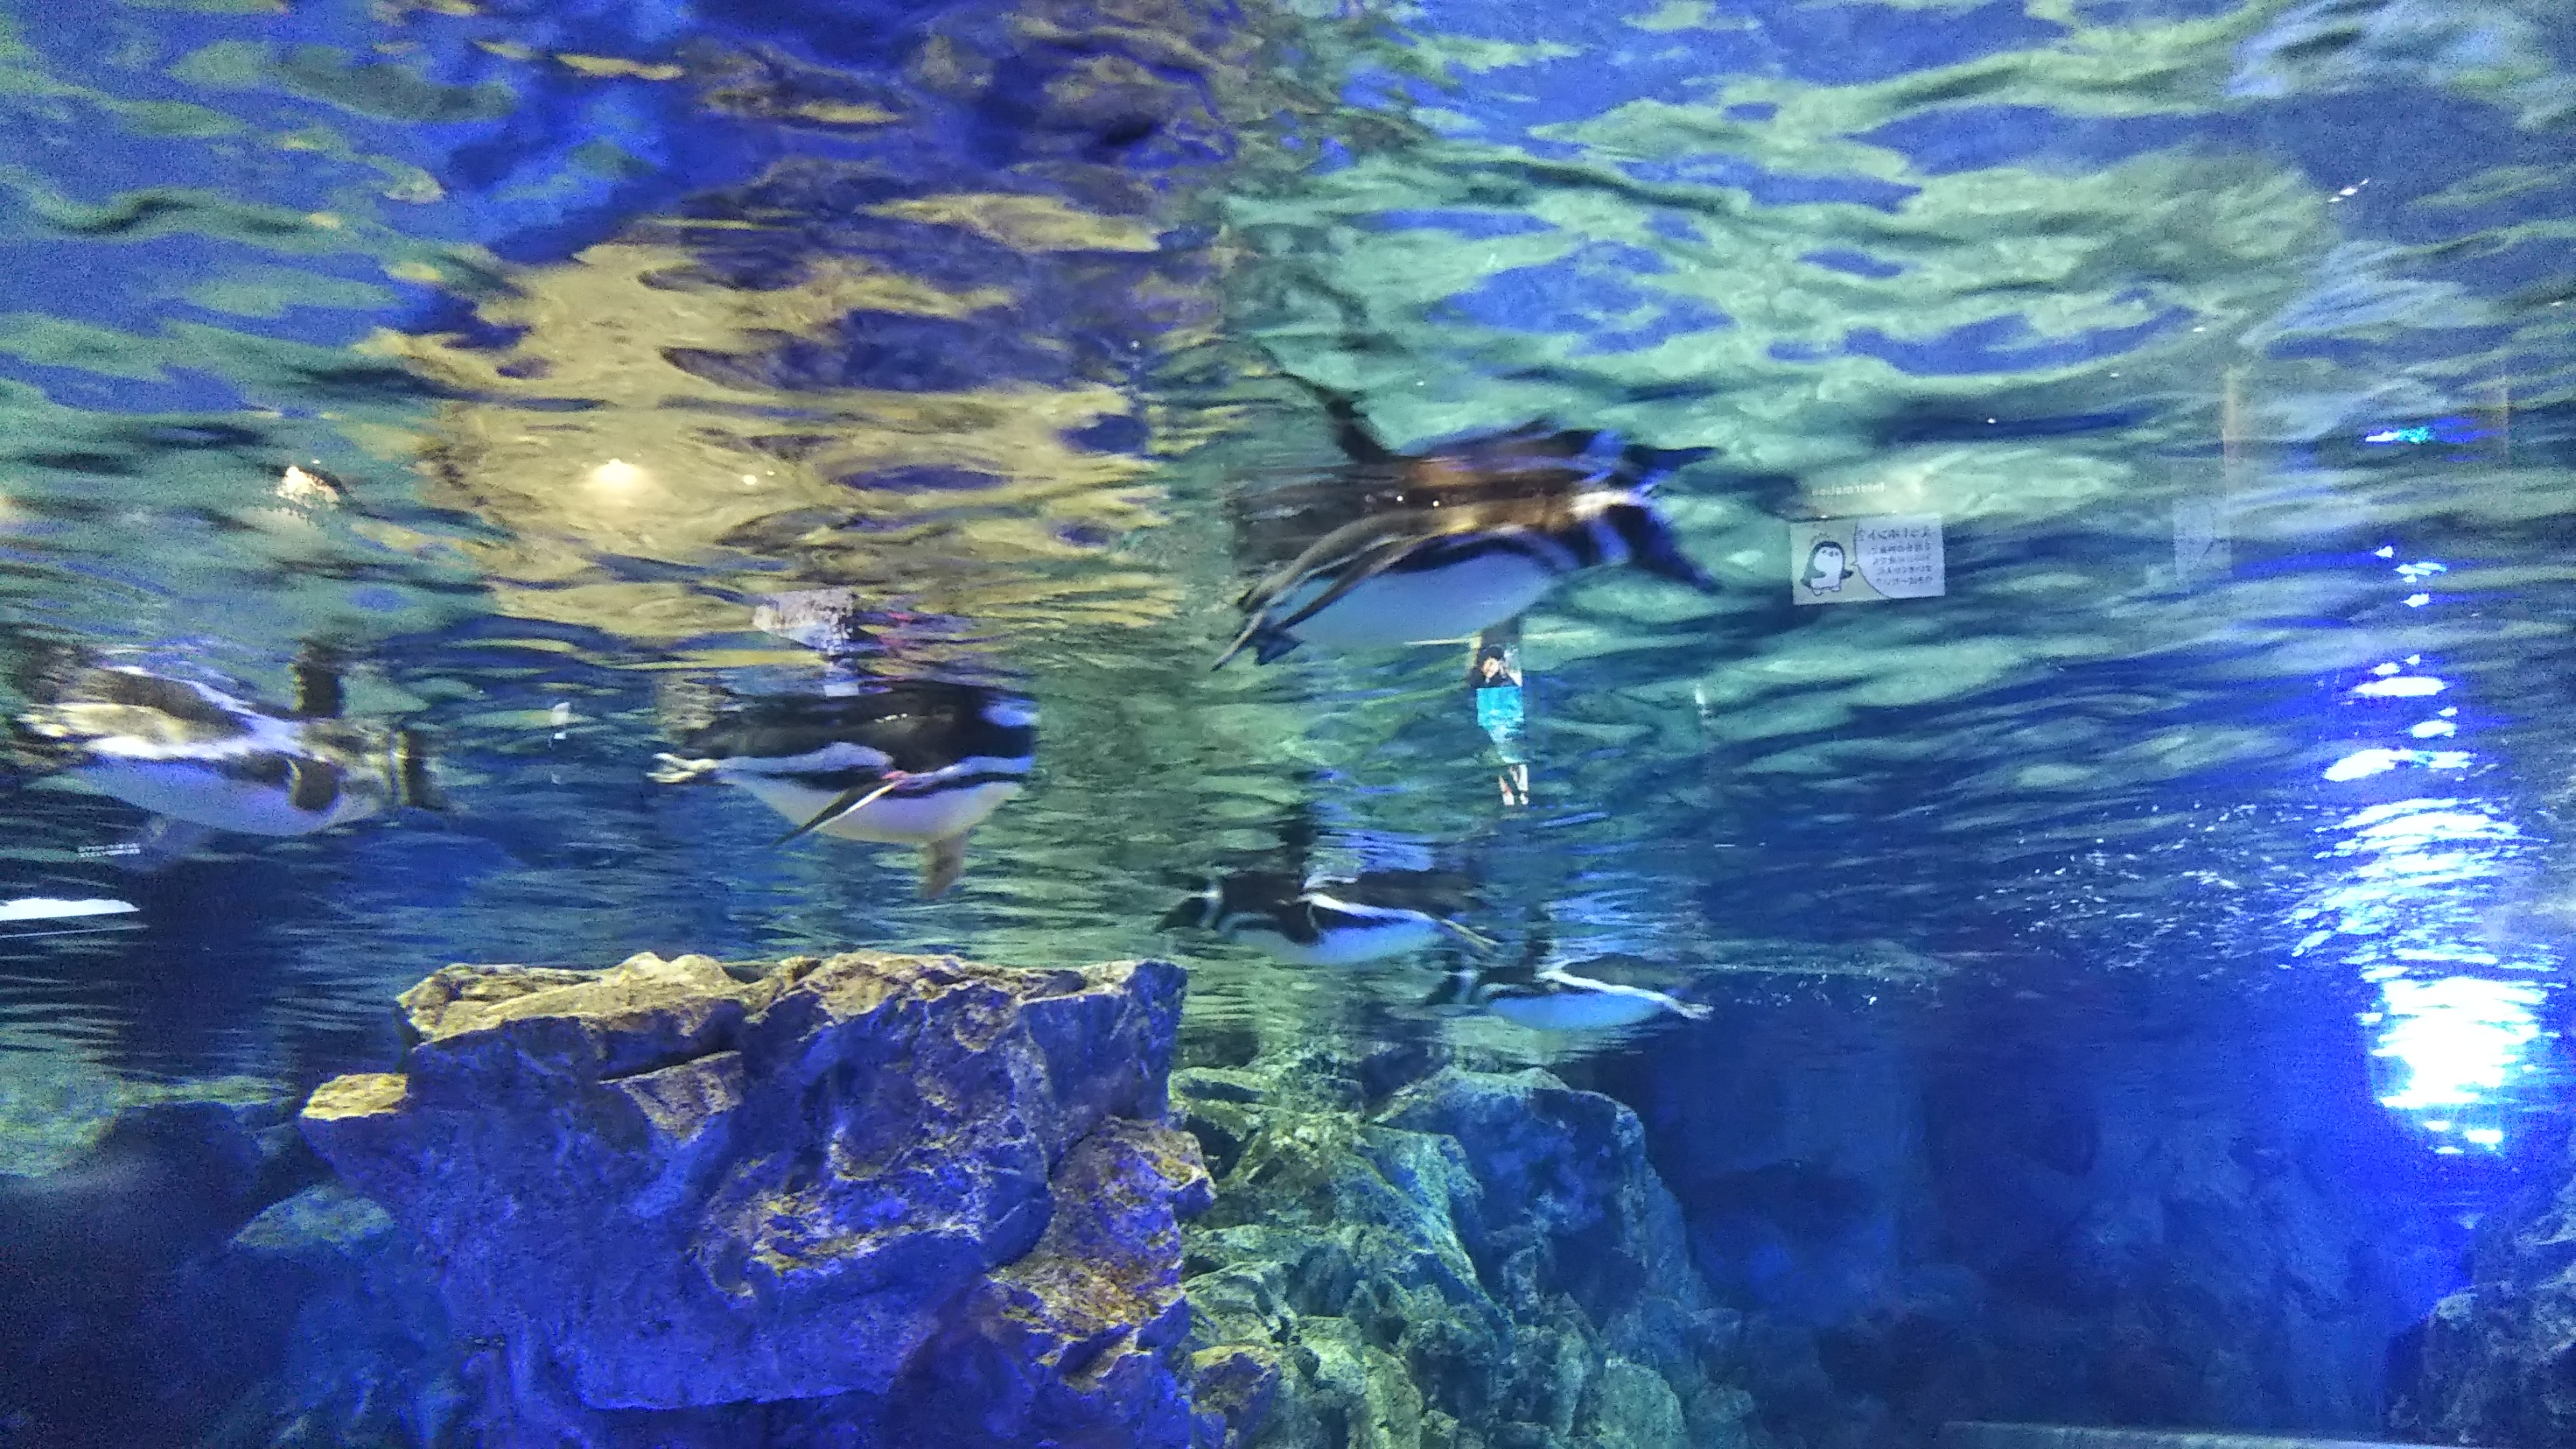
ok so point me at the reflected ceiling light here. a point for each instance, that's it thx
(616, 476)
(45, 908)
(2455, 1038)
(2362, 764)
(2404, 686)
(306, 485)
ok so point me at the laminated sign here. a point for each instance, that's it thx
(1859, 560)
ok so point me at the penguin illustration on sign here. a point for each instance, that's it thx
(1828, 565)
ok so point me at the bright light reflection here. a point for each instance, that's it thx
(2361, 764)
(2458, 1017)
(2434, 729)
(616, 476)
(2453, 1042)
(2401, 686)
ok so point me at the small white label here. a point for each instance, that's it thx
(1862, 560)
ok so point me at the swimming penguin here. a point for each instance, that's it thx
(190, 752)
(905, 762)
(1463, 536)
(1547, 998)
(1320, 922)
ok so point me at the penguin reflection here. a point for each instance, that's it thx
(193, 754)
(1542, 997)
(1457, 538)
(900, 761)
(1286, 911)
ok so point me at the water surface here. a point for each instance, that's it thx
(2230, 345)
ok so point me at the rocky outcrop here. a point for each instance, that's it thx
(907, 1197)
(108, 1251)
(2002, 1211)
(2495, 1364)
(368, 1358)
(1477, 1260)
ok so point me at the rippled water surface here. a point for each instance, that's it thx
(2229, 344)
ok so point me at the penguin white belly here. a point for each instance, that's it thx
(1346, 945)
(1447, 603)
(892, 819)
(1575, 1011)
(202, 795)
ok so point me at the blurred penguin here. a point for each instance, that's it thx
(1283, 908)
(1543, 997)
(206, 760)
(1454, 539)
(917, 762)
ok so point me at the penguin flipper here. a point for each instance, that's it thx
(850, 801)
(1477, 939)
(1351, 432)
(1457, 988)
(1362, 567)
(1271, 646)
(942, 862)
(674, 770)
(1653, 466)
(1267, 644)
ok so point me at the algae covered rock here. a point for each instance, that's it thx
(2495, 1364)
(370, 1360)
(909, 1192)
(1479, 1260)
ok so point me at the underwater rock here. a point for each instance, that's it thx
(1961, 1217)
(1478, 1260)
(684, 1208)
(2495, 1364)
(107, 1325)
(370, 1360)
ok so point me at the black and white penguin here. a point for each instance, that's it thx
(1462, 536)
(190, 752)
(1371, 917)
(905, 762)
(1549, 998)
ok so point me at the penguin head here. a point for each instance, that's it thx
(1828, 563)
(1631, 529)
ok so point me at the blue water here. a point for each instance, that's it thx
(2230, 345)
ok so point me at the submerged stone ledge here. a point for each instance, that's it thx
(918, 1198)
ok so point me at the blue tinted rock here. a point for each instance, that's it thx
(912, 1191)
(1483, 1260)
(2496, 1363)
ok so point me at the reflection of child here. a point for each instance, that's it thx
(1827, 566)
(1497, 682)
